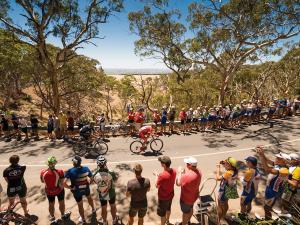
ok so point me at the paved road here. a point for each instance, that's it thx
(208, 148)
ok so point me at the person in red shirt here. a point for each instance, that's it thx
(189, 180)
(131, 117)
(144, 134)
(53, 180)
(139, 119)
(165, 183)
(156, 118)
(182, 117)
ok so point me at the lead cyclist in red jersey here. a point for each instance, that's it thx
(144, 133)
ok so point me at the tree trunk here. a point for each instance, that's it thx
(223, 90)
(55, 91)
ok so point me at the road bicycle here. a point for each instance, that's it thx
(155, 143)
(8, 216)
(83, 147)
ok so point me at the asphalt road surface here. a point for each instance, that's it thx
(209, 148)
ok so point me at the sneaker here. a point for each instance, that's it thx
(66, 216)
(81, 221)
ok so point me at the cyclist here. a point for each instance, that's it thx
(87, 131)
(80, 178)
(250, 185)
(105, 179)
(14, 176)
(53, 179)
(144, 133)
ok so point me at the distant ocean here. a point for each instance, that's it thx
(147, 71)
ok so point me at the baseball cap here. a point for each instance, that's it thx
(164, 159)
(252, 159)
(232, 161)
(283, 156)
(138, 167)
(294, 156)
(191, 160)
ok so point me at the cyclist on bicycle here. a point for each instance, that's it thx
(105, 179)
(144, 133)
(87, 131)
(53, 179)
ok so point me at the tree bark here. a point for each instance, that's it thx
(223, 90)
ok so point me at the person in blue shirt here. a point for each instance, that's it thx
(80, 178)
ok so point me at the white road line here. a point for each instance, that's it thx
(155, 159)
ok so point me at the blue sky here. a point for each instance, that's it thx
(116, 50)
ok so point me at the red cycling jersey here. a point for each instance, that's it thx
(182, 115)
(52, 180)
(139, 117)
(145, 131)
(131, 116)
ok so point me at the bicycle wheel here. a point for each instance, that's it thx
(99, 148)
(79, 149)
(156, 145)
(136, 147)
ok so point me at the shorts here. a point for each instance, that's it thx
(163, 207)
(111, 201)
(71, 128)
(195, 120)
(20, 191)
(141, 212)
(188, 120)
(24, 130)
(247, 198)
(130, 121)
(182, 121)
(78, 194)
(185, 208)
(271, 196)
(50, 130)
(102, 127)
(222, 198)
(60, 197)
(16, 126)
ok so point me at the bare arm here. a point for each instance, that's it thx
(218, 174)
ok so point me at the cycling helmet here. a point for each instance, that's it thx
(51, 160)
(101, 161)
(76, 160)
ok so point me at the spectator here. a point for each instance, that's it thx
(34, 126)
(172, 115)
(50, 127)
(139, 119)
(105, 180)
(275, 183)
(71, 123)
(53, 179)
(165, 184)
(4, 126)
(15, 123)
(156, 119)
(101, 121)
(182, 117)
(56, 125)
(189, 118)
(62, 123)
(250, 185)
(80, 178)
(24, 127)
(131, 117)
(16, 186)
(228, 182)
(189, 180)
(163, 121)
(137, 189)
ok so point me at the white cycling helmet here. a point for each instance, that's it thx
(101, 161)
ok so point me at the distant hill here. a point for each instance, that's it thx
(146, 71)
